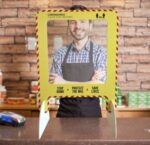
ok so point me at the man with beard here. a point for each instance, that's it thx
(81, 61)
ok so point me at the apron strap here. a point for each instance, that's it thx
(91, 52)
(65, 58)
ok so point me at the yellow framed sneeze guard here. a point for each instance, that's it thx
(52, 31)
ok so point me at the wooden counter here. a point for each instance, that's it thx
(78, 131)
(33, 111)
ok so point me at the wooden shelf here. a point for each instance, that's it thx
(25, 107)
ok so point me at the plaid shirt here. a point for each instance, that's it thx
(99, 58)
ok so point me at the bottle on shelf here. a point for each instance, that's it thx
(119, 96)
(2, 94)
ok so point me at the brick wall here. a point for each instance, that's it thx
(17, 21)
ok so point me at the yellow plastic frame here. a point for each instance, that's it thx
(108, 89)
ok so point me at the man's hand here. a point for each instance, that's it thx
(56, 79)
(97, 75)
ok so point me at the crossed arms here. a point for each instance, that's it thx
(57, 79)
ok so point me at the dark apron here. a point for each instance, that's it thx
(79, 72)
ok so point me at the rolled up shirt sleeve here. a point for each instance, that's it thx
(56, 64)
(101, 62)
